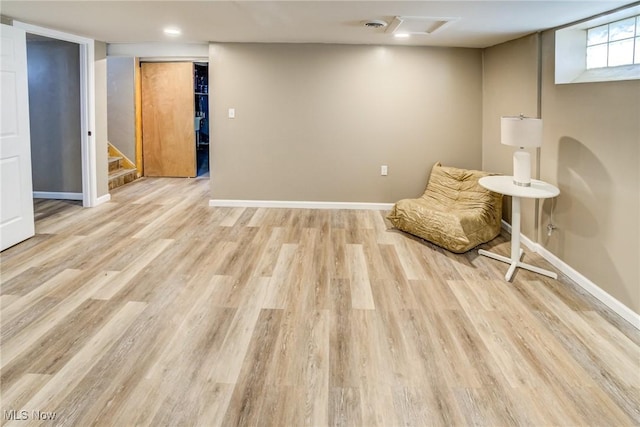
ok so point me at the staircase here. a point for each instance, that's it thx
(121, 170)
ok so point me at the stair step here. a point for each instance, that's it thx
(114, 163)
(121, 177)
(120, 172)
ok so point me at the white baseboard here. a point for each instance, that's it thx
(596, 291)
(298, 204)
(56, 195)
(102, 199)
(586, 284)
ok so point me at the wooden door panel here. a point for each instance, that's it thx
(168, 134)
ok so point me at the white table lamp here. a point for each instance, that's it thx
(523, 132)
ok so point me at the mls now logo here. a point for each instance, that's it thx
(14, 415)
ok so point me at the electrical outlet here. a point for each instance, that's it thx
(384, 170)
(550, 228)
(232, 113)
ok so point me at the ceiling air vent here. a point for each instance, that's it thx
(418, 25)
(375, 23)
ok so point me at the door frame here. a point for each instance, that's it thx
(87, 106)
(139, 60)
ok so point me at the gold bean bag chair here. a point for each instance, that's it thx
(454, 212)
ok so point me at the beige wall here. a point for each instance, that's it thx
(102, 162)
(510, 87)
(315, 122)
(121, 105)
(592, 153)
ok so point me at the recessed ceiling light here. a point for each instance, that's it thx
(172, 31)
(401, 35)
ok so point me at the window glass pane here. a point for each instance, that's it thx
(597, 56)
(622, 29)
(597, 35)
(621, 53)
(637, 55)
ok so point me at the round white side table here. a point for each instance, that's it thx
(538, 190)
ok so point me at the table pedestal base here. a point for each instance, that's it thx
(515, 263)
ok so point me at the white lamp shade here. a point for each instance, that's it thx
(521, 131)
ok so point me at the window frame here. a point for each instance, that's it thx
(634, 38)
(571, 51)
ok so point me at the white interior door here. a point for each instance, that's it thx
(16, 196)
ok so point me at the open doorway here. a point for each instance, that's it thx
(87, 65)
(174, 118)
(56, 133)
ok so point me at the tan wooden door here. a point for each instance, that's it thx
(168, 134)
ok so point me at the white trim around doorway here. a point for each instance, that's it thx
(87, 106)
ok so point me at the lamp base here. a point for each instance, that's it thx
(522, 168)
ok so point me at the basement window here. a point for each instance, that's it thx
(614, 44)
(606, 48)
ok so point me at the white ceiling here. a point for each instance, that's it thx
(480, 24)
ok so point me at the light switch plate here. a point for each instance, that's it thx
(384, 170)
(232, 113)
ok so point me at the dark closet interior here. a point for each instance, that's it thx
(201, 86)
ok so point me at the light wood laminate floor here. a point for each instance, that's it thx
(156, 309)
